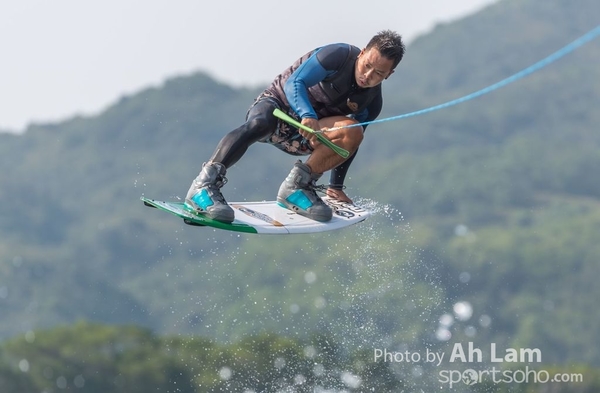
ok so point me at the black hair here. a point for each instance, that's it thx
(389, 44)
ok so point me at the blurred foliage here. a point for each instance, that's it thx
(109, 359)
(114, 359)
(494, 202)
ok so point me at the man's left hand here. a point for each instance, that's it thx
(313, 124)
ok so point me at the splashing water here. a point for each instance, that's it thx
(369, 290)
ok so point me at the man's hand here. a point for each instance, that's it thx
(340, 195)
(313, 124)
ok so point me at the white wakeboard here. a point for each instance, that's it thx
(268, 217)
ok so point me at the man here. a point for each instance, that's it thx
(333, 86)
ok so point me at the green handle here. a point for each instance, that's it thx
(285, 117)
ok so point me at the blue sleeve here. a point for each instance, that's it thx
(296, 87)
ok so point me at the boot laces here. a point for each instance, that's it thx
(214, 188)
(322, 188)
(220, 181)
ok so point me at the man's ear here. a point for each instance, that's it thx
(390, 74)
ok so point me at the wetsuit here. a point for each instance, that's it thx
(319, 84)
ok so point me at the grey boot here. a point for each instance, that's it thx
(204, 196)
(297, 193)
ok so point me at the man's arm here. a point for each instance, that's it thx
(296, 87)
(322, 63)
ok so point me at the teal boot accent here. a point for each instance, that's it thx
(204, 196)
(298, 194)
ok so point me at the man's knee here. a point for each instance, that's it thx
(356, 133)
(259, 127)
(346, 129)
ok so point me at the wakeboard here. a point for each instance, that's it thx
(268, 217)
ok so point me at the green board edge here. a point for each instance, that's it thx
(200, 220)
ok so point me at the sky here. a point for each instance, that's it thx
(63, 58)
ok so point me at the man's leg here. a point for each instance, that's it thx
(323, 158)
(297, 192)
(260, 123)
(204, 195)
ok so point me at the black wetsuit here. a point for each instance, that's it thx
(319, 84)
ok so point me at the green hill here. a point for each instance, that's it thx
(494, 202)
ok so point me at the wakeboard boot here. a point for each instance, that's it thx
(298, 193)
(204, 196)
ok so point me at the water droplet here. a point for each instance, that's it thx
(443, 334)
(320, 302)
(310, 277)
(461, 230)
(351, 380)
(464, 277)
(79, 381)
(24, 365)
(310, 351)
(446, 320)
(299, 379)
(30, 337)
(470, 331)
(61, 382)
(463, 311)
(279, 363)
(485, 320)
(225, 373)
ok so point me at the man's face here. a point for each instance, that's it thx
(372, 68)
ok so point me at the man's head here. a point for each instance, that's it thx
(377, 61)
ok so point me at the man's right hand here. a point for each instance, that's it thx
(311, 123)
